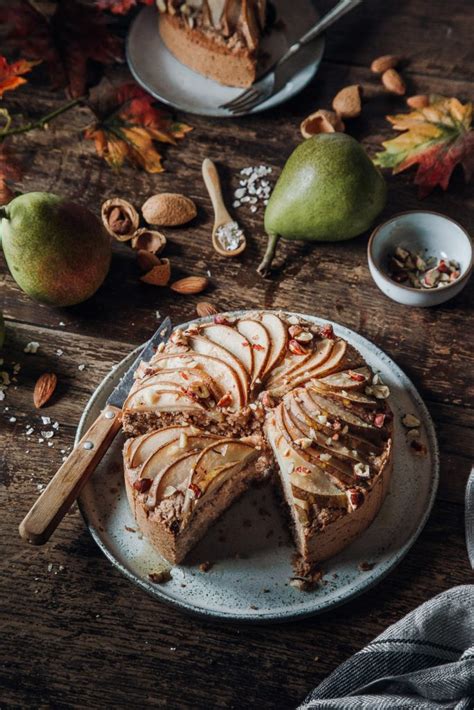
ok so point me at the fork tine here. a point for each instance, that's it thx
(248, 105)
(241, 97)
(248, 101)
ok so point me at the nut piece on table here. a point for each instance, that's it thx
(204, 308)
(120, 218)
(44, 389)
(190, 285)
(168, 209)
(419, 101)
(159, 275)
(347, 102)
(321, 121)
(381, 64)
(393, 82)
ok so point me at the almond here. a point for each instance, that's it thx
(420, 101)
(393, 82)
(347, 102)
(190, 284)
(44, 389)
(159, 275)
(168, 209)
(381, 64)
(120, 218)
(204, 309)
(321, 121)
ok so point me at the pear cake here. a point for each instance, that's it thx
(216, 38)
(232, 401)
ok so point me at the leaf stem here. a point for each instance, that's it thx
(41, 122)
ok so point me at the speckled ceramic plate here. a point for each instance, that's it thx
(250, 547)
(156, 69)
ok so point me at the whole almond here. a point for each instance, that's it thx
(159, 275)
(321, 121)
(44, 388)
(190, 284)
(420, 101)
(204, 308)
(347, 102)
(381, 64)
(393, 82)
(168, 209)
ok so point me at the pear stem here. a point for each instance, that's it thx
(264, 268)
(41, 122)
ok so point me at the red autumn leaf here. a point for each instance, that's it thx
(128, 125)
(66, 40)
(10, 170)
(10, 74)
(120, 7)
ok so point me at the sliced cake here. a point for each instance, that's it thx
(228, 397)
(216, 38)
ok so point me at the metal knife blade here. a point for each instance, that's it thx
(469, 517)
(120, 393)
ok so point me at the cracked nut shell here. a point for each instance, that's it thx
(120, 218)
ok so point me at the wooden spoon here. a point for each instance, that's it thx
(221, 215)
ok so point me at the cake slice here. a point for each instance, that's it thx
(185, 483)
(216, 38)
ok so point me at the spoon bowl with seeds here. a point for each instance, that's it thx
(228, 238)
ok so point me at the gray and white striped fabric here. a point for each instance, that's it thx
(469, 517)
(425, 660)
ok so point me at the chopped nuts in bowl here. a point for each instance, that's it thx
(420, 258)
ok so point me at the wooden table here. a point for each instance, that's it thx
(74, 632)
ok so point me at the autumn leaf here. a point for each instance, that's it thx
(120, 7)
(66, 39)
(128, 126)
(437, 138)
(11, 74)
(10, 170)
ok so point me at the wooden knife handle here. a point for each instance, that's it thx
(63, 489)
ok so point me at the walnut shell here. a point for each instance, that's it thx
(168, 209)
(321, 121)
(120, 218)
(149, 240)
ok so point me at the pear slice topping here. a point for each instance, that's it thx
(230, 339)
(259, 339)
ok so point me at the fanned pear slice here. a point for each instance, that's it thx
(311, 477)
(143, 446)
(171, 477)
(278, 335)
(328, 366)
(350, 395)
(204, 346)
(258, 337)
(182, 377)
(216, 459)
(318, 356)
(171, 450)
(151, 398)
(230, 339)
(328, 406)
(347, 379)
(224, 376)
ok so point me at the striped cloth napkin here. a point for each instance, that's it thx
(424, 661)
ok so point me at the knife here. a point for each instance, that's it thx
(65, 486)
(469, 517)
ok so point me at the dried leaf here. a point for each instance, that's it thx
(10, 74)
(128, 125)
(10, 170)
(65, 39)
(437, 138)
(120, 7)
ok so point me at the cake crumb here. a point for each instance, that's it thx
(366, 566)
(161, 576)
(205, 566)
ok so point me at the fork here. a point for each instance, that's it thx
(276, 76)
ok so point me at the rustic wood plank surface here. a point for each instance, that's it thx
(74, 632)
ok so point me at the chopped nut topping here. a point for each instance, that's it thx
(410, 421)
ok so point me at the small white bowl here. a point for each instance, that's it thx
(422, 232)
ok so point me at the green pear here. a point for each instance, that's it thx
(329, 190)
(58, 252)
